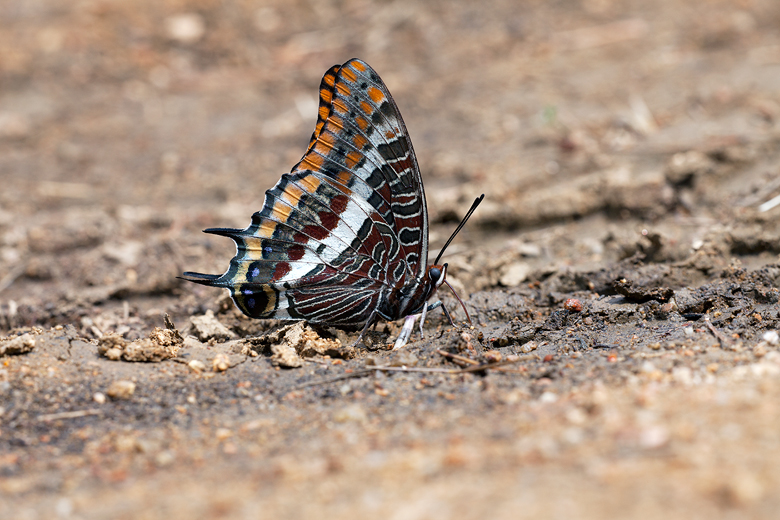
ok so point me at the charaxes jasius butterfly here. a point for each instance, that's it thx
(343, 238)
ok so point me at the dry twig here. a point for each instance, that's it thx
(75, 414)
(382, 368)
(724, 341)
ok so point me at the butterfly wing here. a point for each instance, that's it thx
(347, 224)
(361, 138)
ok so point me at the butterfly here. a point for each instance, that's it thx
(342, 240)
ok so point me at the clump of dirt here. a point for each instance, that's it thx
(161, 344)
(17, 345)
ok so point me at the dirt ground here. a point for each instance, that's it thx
(630, 157)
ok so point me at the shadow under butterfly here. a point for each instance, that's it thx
(342, 240)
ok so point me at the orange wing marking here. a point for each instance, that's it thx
(352, 159)
(349, 74)
(376, 95)
(281, 211)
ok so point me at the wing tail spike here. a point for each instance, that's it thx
(224, 232)
(211, 280)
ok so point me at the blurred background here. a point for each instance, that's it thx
(127, 127)
(600, 131)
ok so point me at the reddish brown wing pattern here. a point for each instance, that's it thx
(347, 226)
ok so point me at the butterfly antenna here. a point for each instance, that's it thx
(457, 229)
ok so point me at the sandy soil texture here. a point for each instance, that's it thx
(622, 274)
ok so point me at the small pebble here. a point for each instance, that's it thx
(771, 337)
(573, 305)
(164, 458)
(122, 389)
(197, 366)
(221, 363)
(653, 437)
(223, 433)
(185, 27)
(528, 347)
(114, 354)
(493, 356)
(99, 397)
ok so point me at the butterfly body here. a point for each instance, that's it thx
(343, 238)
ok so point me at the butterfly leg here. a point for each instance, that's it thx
(406, 331)
(447, 313)
(422, 320)
(371, 321)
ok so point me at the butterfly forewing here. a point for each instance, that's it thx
(365, 136)
(326, 95)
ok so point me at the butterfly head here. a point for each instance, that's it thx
(436, 275)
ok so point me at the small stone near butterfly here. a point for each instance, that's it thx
(185, 28)
(114, 354)
(18, 345)
(285, 356)
(492, 356)
(121, 389)
(573, 305)
(529, 346)
(220, 363)
(223, 433)
(197, 366)
(111, 346)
